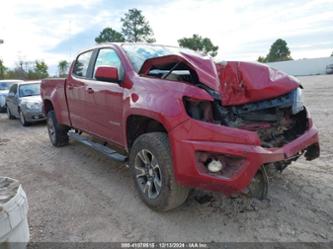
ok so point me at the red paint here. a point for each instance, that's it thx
(194, 136)
(107, 74)
(135, 97)
(102, 109)
(245, 82)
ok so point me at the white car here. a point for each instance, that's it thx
(25, 103)
(4, 89)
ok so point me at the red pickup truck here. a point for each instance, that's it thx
(180, 120)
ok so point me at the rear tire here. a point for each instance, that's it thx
(57, 132)
(152, 170)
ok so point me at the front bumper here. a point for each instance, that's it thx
(194, 136)
(34, 116)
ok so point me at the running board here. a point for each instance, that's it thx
(99, 147)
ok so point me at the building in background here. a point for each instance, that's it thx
(304, 66)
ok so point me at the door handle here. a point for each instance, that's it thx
(90, 90)
(70, 87)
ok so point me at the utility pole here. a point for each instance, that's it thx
(2, 69)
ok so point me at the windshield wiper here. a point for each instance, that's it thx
(171, 70)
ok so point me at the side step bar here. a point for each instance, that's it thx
(99, 147)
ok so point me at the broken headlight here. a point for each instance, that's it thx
(297, 101)
(199, 109)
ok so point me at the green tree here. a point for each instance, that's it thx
(279, 51)
(198, 43)
(261, 59)
(136, 28)
(39, 71)
(109, 35)
(3, 70)
(63, 68)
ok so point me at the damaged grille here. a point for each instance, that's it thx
(284, 130)
(277, 121)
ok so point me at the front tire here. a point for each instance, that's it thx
(152, 171)
(57, 132)
(22, 119)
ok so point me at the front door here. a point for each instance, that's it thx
(105, 100)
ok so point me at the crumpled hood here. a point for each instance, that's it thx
(204, 66)
(237, 82)
(245, 82)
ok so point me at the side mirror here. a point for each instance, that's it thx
(11, 94)
(109, 74)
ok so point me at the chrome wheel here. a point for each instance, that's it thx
(148, 174)
(51, 129)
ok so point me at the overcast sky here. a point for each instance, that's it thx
(243, 30)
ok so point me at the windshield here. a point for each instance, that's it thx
(29, 90)
(138, 53)
(5, 85)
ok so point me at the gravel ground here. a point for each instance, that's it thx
(77, 194)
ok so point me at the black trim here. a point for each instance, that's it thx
(92, 62)
(88, 72)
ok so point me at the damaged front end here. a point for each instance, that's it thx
(276, 121)
(247, 97)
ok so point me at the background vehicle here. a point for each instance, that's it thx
(24, 102)
(4, 89)
(183, 121)
(329, 69)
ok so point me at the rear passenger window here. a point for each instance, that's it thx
(82, 64)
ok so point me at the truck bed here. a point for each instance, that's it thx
(54, 89)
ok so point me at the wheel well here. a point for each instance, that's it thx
(48, 106)
(138, 125)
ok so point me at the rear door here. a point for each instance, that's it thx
(104, 101)
(76, 89)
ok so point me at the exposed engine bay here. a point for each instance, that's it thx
(276, 121)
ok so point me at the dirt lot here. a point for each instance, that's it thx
(77, 194)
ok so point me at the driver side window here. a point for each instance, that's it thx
(109, 57)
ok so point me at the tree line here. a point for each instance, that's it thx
(36, 70)
(135, 28)
(25, 70)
